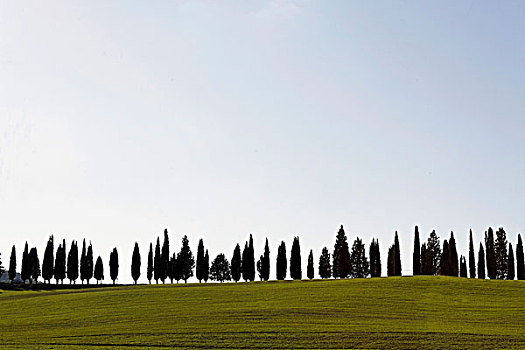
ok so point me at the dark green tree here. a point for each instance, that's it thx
(416, 256)
(341, 265)
(99, 270)
(390, 266)
(490, 253)
(265, 263)
(25, 273)
(427, 267)
(164, 257)
(453, 256)
(296, 272)
(60, 262)
(199, 270)
(206, 266)
(135, 263)
(281, 265)
(236, 263)
(434, 249)
(310, 266)
(325, 267)
(397, 256)
(89, 263)
(444, 268)
(178, 268)
(500, 251)
(520, 268)
(462, 267)
(157, 268)
(248, 261)
(375, 259)
(471, 257)
(220, 269)
(358, 260)
(12, 264)
(172, 267)
(113, 265)
(149, 272)
(259, 267)
(510, 264)
(72, 263)
(481, 262)
(185, 260)
(83, 262)
(34, 265)
(47, 263)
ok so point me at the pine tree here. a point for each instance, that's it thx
(199, 270)
(60, 263)
(341, 265)
(25, 272)
(72, 263)
(206, 266)
(490, 254)
(471, 257)
(397, 257)
(325, 268)
(444, 268)
(220, 269)
(375, 259)
(12, 264)
(266, 262)
(358, 260)
(282, 263)
(510, 264)
(462, 267)
(157, 269)
(501, 255)
(453, 256)
(434, 249)
(481, 262)
(47, 263)
(83, 262)
(164, 257)
(135, 263)
(236, 263)
(185, 260)
(99, 270)
(89, 263)
(34, 265)
(113, 265)
(310, 267)
(520, 268)
(416, 257)
(149, 272)
(295, 260)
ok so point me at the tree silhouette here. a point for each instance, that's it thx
(177, 267)
(445, 268)
(206, 266)
(83, 268)
(236, 263)
(520, 268)
(47, 263)
(185, 260)
(157, 269)
(462, 267)
(295, 260)
(12, 264)
(149, 272)
(341, 256)
(72, 263)
(172, 267)
(113, 265)
(471, 257)
(89, 263)
(164, 257)
(358, 260)
(26, 268)
(481, 262)
(501, 255)
(375, 259)
(325, 267)
(248, 261)
(99, 270)
(135, 263)
(199, 270)
(453, 256)
(490, 254)
(220, 269)
(282, 263)
(34, 265)
(310, 266)
(397, 256)
(259, 267)
(60, 262)
(390, 266)
(416, 256)
(427, 267)
(510, 264)
(265, 263)
(433, 248)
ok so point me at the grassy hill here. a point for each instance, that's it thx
(406, 312)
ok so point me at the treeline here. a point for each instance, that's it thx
(495, 260)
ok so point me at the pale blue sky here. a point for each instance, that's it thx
(280, 118)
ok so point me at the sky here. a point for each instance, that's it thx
(280, 118)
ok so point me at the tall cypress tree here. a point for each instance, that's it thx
(165, 256)
(172, 267)
(236, 263)
(510, 264)
(444, 268)
(34, 265)
(89, 263)
(157, 269)
(358, 260)
(310, 267)
(259, 267)
(135, 263)
(282, 263)
(325, 267)
(471, 257)
(12, 264)
(390, 266)
(433, 248)
(149, 272)
(341, 256)
(26, 270)
(199, 270)
(426, 261)
(113, 265)
(416, 257)
(481, 262)
(185, 260)
(83, 261)
(99, 270)
(490, 254)
(375, 259)
(462, 267)
(397, 256)
(206, 275)
(248, 261)
(60, 262)
(266, 262)
(295, 260)
(520, 268)
(47, 263)
(500, 250)
(72, 263)
(453, 256)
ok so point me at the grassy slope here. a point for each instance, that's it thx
(407, 312)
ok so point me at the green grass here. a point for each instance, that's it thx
(406, 312)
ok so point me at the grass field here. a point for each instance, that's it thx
(406, 312)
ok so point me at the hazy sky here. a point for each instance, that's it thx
(280, 118)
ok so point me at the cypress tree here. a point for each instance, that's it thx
(178, 268)
(12, 264)
(34, 265)
(83, 262)
(510, 264)
(164, 257)
(26, 270)
(113, 265)
(481, 262)
(236, 264)
(490, 253)
(434, 250)
(89, 263)
(186, 260)
(471, 258)
(266, 262)
(520, 268)
(462, 267)
(416, 257)
(149, 272)
(281, 262)
(445, 260)
(135, 263)
(47, 263)
(60, 263)
(375, 259)
(500, 250)
(207, 266)
(310, 266)
(172, 267)
(199, 270)
(341, 256)
(397, 257)
(426, 260)
(248, 261)
(358, 260)
(325, 268)
(99, 270)
(72, 263)
(390, 266)
(295, 260)
(157, 269)
(453, 256)
(259, 267)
